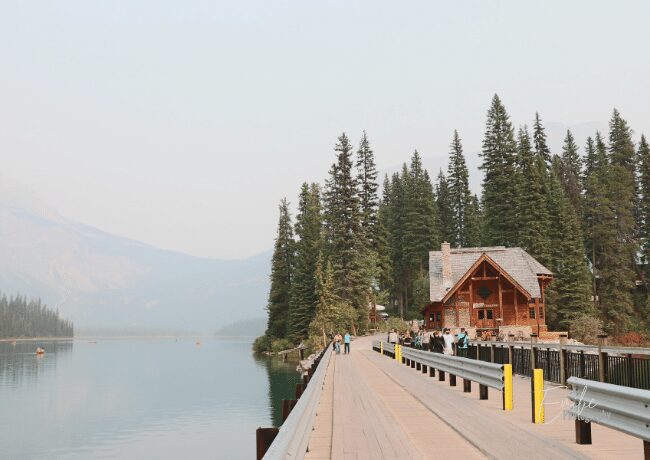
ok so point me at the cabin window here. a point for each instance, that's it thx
(438, 316)
(481, 314)
(531, 313)
(490, 314)
(484, 292)
(541, 312)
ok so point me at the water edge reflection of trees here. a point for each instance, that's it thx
(282, 377)
(19, 363)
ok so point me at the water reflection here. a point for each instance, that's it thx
(138, 399)
(282, 378)
(19, 362)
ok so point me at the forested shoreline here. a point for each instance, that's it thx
(582, 212)
(23, 318)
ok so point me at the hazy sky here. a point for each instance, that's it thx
(183, 123)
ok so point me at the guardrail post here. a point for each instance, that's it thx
(511, 349)
(646, 450)
(467, 386)
(287, 406)
(602, 358)
(492, 352)
(418, 366)
(507, 387)
(478, 351)
(263, 439)
(412, 363)
(441, 375)
(432, 371)
(424, 369)
(583, 431)
(562, 353)
(538, 396)
(452, 380)
(381, 348)
(300, 388)
(482, 392)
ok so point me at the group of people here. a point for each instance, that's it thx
(435, 341)
(338, 339)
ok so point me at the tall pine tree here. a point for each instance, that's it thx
(460, 196)
(571, 171)
(281, 275)
(445, 210)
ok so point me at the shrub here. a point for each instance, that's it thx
(398, 324)
(262, 344)
(630, 339)
(281, 345)
(585, 328)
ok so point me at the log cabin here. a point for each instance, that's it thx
(495, 290)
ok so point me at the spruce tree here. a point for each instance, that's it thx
(643, 156)
(346, 242)
(473, 220)
(532, 206)
(571, 171)
(619, 252)
(459, 194)
(568, 296)
(539, 141)
(303, 299)
(499, 189)
(445, 211)
(369, 199)
(281, 271)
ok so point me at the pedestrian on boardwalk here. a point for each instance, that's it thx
(407, 338)
(438, 342)
(463, 342)
(426, 340)
(449, 342)
(337, 343)
(347, 343)
(392, 336)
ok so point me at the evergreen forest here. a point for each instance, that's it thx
(20, 317)
(583, 212)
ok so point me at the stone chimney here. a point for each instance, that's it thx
(445, 248)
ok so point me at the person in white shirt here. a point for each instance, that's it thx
(449, 343)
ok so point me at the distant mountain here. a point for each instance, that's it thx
(244, 328)
(99, 280)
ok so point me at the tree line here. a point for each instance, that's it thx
(20, 317)
(584, 215)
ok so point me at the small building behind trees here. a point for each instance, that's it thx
(487, 289)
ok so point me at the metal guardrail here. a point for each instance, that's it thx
(557, 346)
(389, 347)
(293, 438)
(621, 408)
(484, 373)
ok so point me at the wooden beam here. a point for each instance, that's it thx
(471, 303)
(537, 314)
(516, 309)
(500, 301)
(485, 278)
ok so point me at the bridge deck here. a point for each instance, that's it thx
(373, 408)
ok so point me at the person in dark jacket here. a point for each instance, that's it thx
(438, 342)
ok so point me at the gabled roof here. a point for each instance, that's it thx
(516, 262)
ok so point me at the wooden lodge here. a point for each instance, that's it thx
(495, 289)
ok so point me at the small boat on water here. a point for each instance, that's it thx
(198, 343)
(40, 351)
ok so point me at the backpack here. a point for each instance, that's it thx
(462, 343)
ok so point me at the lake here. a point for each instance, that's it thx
(138, 398)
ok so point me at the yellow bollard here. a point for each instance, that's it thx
(538, 393)
(507, 387)
(396, 353)
(381, 348)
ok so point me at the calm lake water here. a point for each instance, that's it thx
(138, 399)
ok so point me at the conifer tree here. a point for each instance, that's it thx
(369, 199)
(571, 171)
(499, 190)
(303, 299)
(473, 219)
(568, 295)
(346, 245)
(532, 207)
(619, 250)
(281, 271)
(643, 156)
(459, 194)
(445, 211)
(539, 140)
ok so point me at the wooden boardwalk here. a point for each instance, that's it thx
(374, 408)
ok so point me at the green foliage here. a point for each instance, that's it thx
(585, 328)
(281, 270)
(262, 344)
(570, 171)
(500, 194)
(279, 345)
(465, 222)
(398, 324)
(445, 210)
(20, 317)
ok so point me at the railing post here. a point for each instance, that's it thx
(630, 370)
(533, 355)
(583, 431)
(582, 364)
(602, 358)
(452, 380)
(478, 351)
(263, 439)
(482, 392)
(492, 352)
(467, 386)
(300, 388)
(507, 387)
(432, 371)
(511, 349)
(424, 369)
(441, 375)
(538, 396)
(562, 353)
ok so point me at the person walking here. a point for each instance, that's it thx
(346, 339)
(463, 343)
(337, 343)
(426, 340)
(449, 342)
(392, 336)
(438, 342)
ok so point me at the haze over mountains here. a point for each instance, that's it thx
(102, 281)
